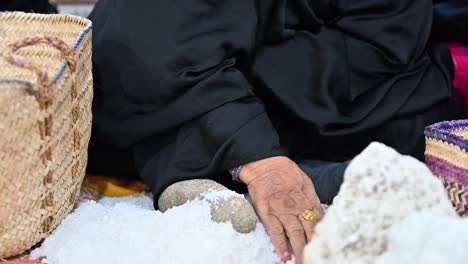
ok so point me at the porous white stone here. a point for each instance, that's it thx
(425, 238)
(380, 188)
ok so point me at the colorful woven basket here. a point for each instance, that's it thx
(45, 123)
(447, 157)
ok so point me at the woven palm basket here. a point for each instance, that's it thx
(447, 157)
(45, 121)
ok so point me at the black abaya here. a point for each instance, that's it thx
(192, 88)
(28, 6)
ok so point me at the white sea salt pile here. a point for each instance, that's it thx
(128, 230)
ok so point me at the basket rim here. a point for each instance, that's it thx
(443, 131)
(62, 68)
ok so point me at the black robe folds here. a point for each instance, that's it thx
(192, 88)
(28, 6)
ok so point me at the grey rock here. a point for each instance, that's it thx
(182, 192)
(235, 209)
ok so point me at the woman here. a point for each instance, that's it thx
(289, 90)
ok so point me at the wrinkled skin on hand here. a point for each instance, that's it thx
(281, 192)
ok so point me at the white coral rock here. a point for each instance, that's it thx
(425, 238)
(380, 188)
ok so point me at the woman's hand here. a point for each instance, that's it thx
(281, 193)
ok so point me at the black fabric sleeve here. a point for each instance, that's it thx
(450, 20)
(168, 84)
(28, 6)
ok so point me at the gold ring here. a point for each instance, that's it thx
(309, 215)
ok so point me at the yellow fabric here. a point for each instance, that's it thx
(109, 186)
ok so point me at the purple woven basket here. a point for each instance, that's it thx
(447, 157)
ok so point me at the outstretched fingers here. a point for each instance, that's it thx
(278, 236)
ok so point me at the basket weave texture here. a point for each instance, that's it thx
(447, 157)
(46, 91)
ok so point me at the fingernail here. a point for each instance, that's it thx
(287, 256)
